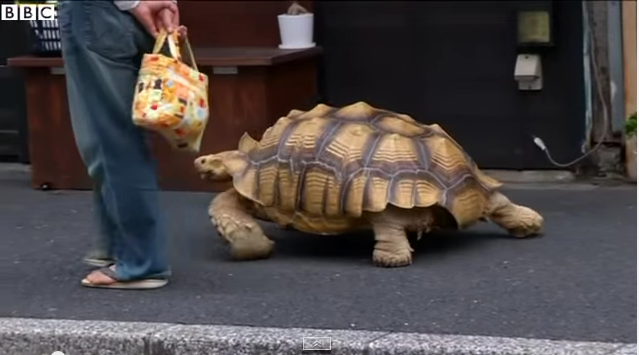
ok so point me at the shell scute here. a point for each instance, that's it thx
(342, 162)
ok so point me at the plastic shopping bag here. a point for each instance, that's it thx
(171, 96)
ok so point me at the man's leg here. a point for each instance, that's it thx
(101, 50)
(102, 254)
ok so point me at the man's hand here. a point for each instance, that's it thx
(156, 15)
(167, 19)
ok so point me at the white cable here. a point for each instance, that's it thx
(540, 143)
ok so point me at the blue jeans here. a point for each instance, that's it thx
(102, 48)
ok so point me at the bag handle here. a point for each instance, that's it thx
(159, 42)
(174, 48)
(190, 57)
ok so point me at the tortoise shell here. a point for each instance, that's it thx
(342, 162)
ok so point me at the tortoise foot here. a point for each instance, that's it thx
(519, 221)
(247, 243)
(387, 259)
(236, 225)
(528, 223)
(391, 245)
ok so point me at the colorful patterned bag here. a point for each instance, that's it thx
(171, 96)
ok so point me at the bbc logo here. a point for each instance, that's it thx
(28, 12)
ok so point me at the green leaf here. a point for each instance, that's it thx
(631, 125)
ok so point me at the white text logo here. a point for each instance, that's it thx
(28, 12)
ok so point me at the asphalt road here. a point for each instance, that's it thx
(577, 282)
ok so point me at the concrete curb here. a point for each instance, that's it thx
(27, 336)
(531, 176)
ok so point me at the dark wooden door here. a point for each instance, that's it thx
(452, 63)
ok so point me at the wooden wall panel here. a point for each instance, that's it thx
(234, 23)
(55, 160)
(268, 84)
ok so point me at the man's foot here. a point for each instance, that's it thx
(107, 278)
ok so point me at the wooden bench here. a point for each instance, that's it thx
(249, 89)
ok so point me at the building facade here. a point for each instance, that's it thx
(464, 65)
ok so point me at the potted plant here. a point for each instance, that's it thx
(631, 146)
(296, 27)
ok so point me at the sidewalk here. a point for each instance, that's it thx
(576, 283)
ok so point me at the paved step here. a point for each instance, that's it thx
(36, 336)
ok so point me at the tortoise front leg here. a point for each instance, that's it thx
(392, 248)
(519, 221)
(233, 217)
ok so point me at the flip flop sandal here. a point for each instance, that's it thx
(141, 284)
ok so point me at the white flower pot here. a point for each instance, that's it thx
(631, 158)
(296, 31)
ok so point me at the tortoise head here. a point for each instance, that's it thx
(215, 167)
(224, 165)
(221, 166)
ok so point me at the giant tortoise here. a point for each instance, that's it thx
(334, 170)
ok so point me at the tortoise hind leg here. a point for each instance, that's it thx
(519, 221)
(233, 217)
(392, 248)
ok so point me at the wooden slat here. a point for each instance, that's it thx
(247, 56)
(33, 61)
(629, 28)
(228, 56)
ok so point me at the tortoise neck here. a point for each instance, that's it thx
(234, 161)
